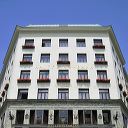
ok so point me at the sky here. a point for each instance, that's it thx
(25, 12)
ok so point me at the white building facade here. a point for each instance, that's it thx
(63, 76)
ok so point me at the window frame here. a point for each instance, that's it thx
(63, 94)
(46, 42)
(45, 59)
(104, 94)
(79, 41)
(83, 93)
(43, 94)
(23, 75)
(81, 58)
(63, 42)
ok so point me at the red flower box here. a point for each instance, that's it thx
(28, 46)
(101, 62)
(83, 80)
(63, 80)
(103, 80)
(24, 80)
(26, 62)
(6, 87)
(41, 80)
(98, 47)
(63, 62)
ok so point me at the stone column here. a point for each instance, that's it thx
(26, 116)
(99, 117)
(75, 117)
(51, 117)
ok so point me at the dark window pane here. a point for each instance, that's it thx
(70, 117)
(63, 42)
(45, 117)
(42, 94)
(29, 42)
(22, 94)
(63, 57)
(45, 58)
(81, 58)
(25, 74)
(80, 117)
(32, 116)
(27, 57)
(87, 116)
(106, 116)
(94, 117)
(80, 43)
(20, 117)
(56, 116)
(46, 42)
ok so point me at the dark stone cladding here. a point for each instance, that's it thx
(65, 126)
(111, 102)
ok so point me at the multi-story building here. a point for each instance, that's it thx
(63, 76)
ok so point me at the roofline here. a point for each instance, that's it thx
(62, 28)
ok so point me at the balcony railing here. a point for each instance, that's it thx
(63, 62)
(28, 46)
(101, 62)
(103, 80)
(25, 80)
(43, 80)
(63, 80)
(83, 80)
(26, 62)
(101, 46)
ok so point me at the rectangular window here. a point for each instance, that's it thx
(45, 58)
(22, 94)
(63, 117)
(42, 94)
(46, 42)
(83, 93)
(82, 74)
(63, 42)
(102, 74)
(63, 57)
(106, 116)
(104, 93)
(81, 58)
(44, 74)
(63, 94)
(63, 74)
(29, 42)
(27, 57)
(20, 116)
(80, 43)
(87, 117)
(25, 74)
(98, 42)
(99, 57)
(38, 117)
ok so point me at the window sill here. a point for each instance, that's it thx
(28, 47)
(24, 80)
(63, 80)
(26, 62)
(43, 80)
(83, 80)
(98, 47)
(103, 80)
(101, 62)
(63, 62)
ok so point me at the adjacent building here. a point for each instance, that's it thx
(63, 76)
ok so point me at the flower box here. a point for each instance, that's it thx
(103, 80)
(83, 80)
(26, 62)
(101, 62)
(98, 47)
(28, 46)
(63, 80)
(63, 62)
(24, 80)
(43, 80)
